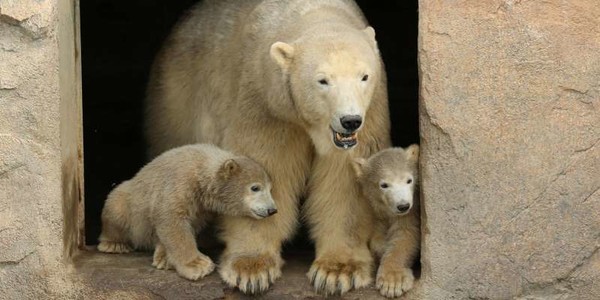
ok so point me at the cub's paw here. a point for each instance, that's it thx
(197, 268)
(113, 247)
(393, 282)
(335, 276)
(159, 260)
(251, 274)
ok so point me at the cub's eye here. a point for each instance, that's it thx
(323, 82)
(365, 78)
(384, 185)
(255, 188)
(409, 181)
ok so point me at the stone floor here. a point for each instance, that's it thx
(131, 276)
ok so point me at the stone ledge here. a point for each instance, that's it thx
(131, 276)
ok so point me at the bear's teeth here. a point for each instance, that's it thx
(345, 138)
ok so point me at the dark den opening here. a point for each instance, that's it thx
(119, 41)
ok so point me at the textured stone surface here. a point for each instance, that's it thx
(510, 125)
(131, 276)
(31, 206)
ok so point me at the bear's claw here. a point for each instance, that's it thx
(394, 282)
(160, 260)
(251, 274)
(113, 247)
(337, 278)
(197, 268)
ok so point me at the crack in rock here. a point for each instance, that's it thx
(558, 286)
(16, 261)
(10, 168)
(590, 195)
(588, 148)
(27, 26)
(435, 124)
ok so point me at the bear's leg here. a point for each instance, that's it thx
(252, 259)
(341, 223)
(178, 238)
(378, 239)
(159, 259)
(115, 218)
(394, 276)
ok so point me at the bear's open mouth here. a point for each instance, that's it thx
(344, 140)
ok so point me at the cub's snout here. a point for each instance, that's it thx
(261, 204)
(403, 208)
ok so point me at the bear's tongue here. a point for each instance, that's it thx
(344, 140)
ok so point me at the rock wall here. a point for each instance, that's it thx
(36, 81)
(510, 128)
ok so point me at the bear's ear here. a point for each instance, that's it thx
(282, 54)
(412, 152)
(229, 168)
(370, 31)
(358, 164)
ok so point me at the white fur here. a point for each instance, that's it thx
(244, 76)
(396, 235)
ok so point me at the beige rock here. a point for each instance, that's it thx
(36, 83)
(510, 125)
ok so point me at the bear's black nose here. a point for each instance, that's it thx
(403, 207)
(271, 211)
(351, 122)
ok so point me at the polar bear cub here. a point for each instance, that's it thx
(171, 198)
(388, 180)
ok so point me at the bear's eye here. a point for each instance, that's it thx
(384, 185)
(409, 181)
(365, 78)
(323, 82)
(255, 188)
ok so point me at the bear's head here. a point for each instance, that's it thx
(243, 188)
(330, 77)
(388, 179)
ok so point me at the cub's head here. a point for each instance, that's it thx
(330, 77)
(388, 179)
(243, 188)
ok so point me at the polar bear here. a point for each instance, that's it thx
(388, 180)
(171, 198)
(298, 86)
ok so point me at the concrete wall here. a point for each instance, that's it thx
(510, 128)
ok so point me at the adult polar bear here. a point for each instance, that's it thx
(299, 86)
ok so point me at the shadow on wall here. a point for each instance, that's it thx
(119, 40)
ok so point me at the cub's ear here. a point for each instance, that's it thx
(229, 168)
(282, 54)
(412, 152)
(358, 163)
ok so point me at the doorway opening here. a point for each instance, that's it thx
(119, 41)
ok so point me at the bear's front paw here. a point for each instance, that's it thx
(159, 260)
(113, 247)
(197, 268)
(251, 274)
(393, 282)
(334, 276)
